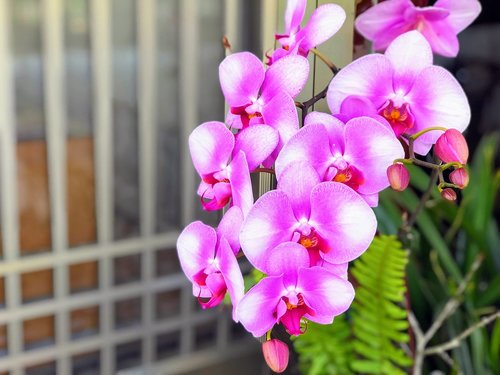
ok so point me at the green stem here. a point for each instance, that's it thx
(432, 128)
(326, 60)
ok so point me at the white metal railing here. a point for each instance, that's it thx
(106, 249)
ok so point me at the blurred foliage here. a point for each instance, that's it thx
(443, 245)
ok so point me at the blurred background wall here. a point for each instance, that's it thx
(97, 98)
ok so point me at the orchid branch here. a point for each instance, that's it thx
(422, 339)
(326, 60)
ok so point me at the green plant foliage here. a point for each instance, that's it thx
(380, 323)
(325, 349)
(371, 340)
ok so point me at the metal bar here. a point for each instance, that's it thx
(147, 74)
(88, 344)
(55, 119)
(188, 66)
(100, 14)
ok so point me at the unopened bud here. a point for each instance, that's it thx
(452, 147)
(276, 355)
(449, 194)
(398, 176)
(460, 177)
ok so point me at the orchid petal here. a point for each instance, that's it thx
(288, 74)
(297, 181)
(325, 21)
(229, 228)
(217, 288)
(339, 270)
(281, 114)
(462, 12)
(343, 219)
(383, 22)
(369, 76)
(325, 293)
(442, 38)
(437, 99)
(371, 148)
(241, 75)
(333, 126)
(285, 259)
(356, 106)
(196, 248)
(370, 199)
(409, 54)
(241, 184)
(294, 13)
(256, 309)
(270, 222)
(257, 142)
(210, 145)
(311, 145)
(230, 270)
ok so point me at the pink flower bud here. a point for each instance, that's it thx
(449, 194)
(460, 177)
(399, 177)
(452, 147)
(276, 355)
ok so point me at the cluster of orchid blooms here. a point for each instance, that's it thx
(385, 109)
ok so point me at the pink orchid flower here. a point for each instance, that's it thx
(325, 21)
(259, 96)
(356, 154)
(224, 163)
(439, 24)
(293, 291)
(207, 257)
(328, 218)
(406, 89)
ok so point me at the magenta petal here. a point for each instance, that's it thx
(281, 114)
(409, 54)
(325, 293)
(309, 145)
(217, 289)
(462, 12)
(241, 185)
(343, 219)
(196, 248)
(356, 106)
(369, 76)
(286, 259)
(294, 13)
(241, 75)
(257, 142)
(442, 38)
(270, 222)
(371, 152)
(210, 145)
(230, 270)
(297, 181)
(325, 21)
(383, 22)
(229, 228)
(288, 74)
(339, 270)
(437, 99)
(256, 310)
(333, 126)
(370, 199)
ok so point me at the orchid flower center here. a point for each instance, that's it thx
(212, 286)
(292, 316)
(350, 176)
(399, 117)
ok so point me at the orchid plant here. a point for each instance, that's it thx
(386, 111)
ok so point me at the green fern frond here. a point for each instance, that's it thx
(325, 349)
(379, 323)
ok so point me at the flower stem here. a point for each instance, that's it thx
(422, 132)
(326, 60)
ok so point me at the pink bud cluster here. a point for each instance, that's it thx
(303, 234)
